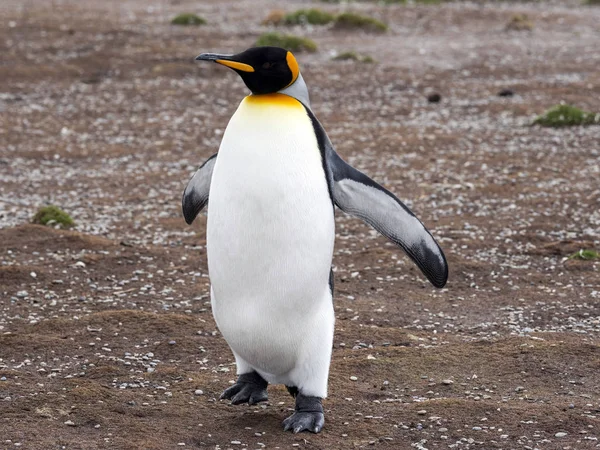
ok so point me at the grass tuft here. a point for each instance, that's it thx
(353, 56)
(188, 19)
(287, 41)
(51, 216)
(519, 22)
(586, 255)
(350, 20)
(275, 17)
(311, 16)
(422, 2)
(566, 116)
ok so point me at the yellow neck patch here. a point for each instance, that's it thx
(272, 99)
(294, 67)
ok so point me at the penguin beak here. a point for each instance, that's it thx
(225, 60)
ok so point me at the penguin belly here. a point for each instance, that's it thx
(270, 236)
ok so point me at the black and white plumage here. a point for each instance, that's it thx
(272, 188)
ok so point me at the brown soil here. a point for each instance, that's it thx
(106, 333)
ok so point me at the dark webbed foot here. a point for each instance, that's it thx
(249, 388)
(307, 417)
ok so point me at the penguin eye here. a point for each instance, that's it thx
(267, 65)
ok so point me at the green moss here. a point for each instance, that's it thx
(422, 2)
(350, 20)
(519, 22)
(52, 215)
(586, 255)
(353, 56)
(566, 116)
(312, 16)
(188, 19)
(287, 41)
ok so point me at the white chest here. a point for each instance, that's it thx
(270, 234)
(270, 218)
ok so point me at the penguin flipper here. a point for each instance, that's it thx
(358, 195)
(195, 196)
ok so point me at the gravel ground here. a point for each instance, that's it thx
(106, 336)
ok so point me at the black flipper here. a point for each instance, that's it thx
(195, 196)
(358, 195)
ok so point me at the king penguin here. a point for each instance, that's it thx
(273, 187)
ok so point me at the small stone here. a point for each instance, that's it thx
(434, 98)
(22, 294)
(353, 378)
(560, 434)
(172, 342)
(421, 412)
(236, 442)
(447, 382)
(70, 423)
(476, 428)
(198, 392)
(33, 275)
(443, 429)
(519, 389)
(2, 378)
(79, 265)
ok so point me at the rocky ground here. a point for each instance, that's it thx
(106, 336)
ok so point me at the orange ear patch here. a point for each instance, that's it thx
(294, 67)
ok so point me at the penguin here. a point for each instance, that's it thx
(273, 187)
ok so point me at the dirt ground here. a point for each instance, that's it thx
(106, 336)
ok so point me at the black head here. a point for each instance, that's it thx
(265, 70)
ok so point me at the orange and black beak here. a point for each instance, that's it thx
(226, 60)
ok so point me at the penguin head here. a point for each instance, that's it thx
(265, 70)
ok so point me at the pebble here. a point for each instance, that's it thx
(476, 428)
(70, 423)
(443, 429)
(421, 412)
(447, 382)
(236, 442)
(434, 98)
(22, 294)
(353, 378)
(172, 342)
(519, 389)
(560, 434)
(79, 264)
(198, 392)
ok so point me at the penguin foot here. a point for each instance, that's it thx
(307, 417)
(250, 388)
